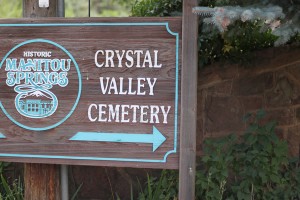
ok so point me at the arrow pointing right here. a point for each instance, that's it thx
(156, 138)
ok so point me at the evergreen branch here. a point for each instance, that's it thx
(271, 16)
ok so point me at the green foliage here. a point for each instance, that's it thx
(10, 191)
(211, 180)
(254, 165)
(164, 188)
(246, 37)
(147, 8)
(105, 8)
(10, 8)
(235, 45)
(3, 166)
(240, 39)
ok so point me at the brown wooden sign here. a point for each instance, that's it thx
(91, 91)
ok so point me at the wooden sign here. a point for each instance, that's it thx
(91, 91)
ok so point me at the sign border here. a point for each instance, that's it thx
(174, 150)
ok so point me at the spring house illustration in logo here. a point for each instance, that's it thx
(32, 79)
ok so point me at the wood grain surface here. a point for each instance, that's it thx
(82, 41)
(187, 168)
(43, 180)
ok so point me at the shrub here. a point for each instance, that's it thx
(255, 165)
(275, 26)
(147, 8)
(163, 188)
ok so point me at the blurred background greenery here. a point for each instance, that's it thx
(75, 8)
(10, 8)
(99, 8)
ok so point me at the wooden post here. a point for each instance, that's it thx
(41, 181)
(189, 104)
(31, 9)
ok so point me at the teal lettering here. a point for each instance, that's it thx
(55, 65)
(47, 62)
(44, 77)
(19, 76)
(63, 80)
(22, 65)
(30, 66)
(29, 78)
(37, 71)
(53, 76)
(38, 63)
(10, 81)
(11, 64)
(63, 65)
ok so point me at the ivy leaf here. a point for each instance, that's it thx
(260, 114)
(206, 158)
(263, 177)
(270, 126)
(227, 48)
(251, 139)
(275, 178)
(243, 196)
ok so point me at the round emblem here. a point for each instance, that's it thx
(44, 80)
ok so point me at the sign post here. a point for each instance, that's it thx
(187, 169)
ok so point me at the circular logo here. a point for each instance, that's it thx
(44, 80)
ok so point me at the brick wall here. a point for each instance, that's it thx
(272, 82)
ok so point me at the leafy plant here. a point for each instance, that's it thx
(240, 27)
(254, 165)
(259, 159)
(160, 8)
(10, 191)
(163, 188)
(211, 181)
